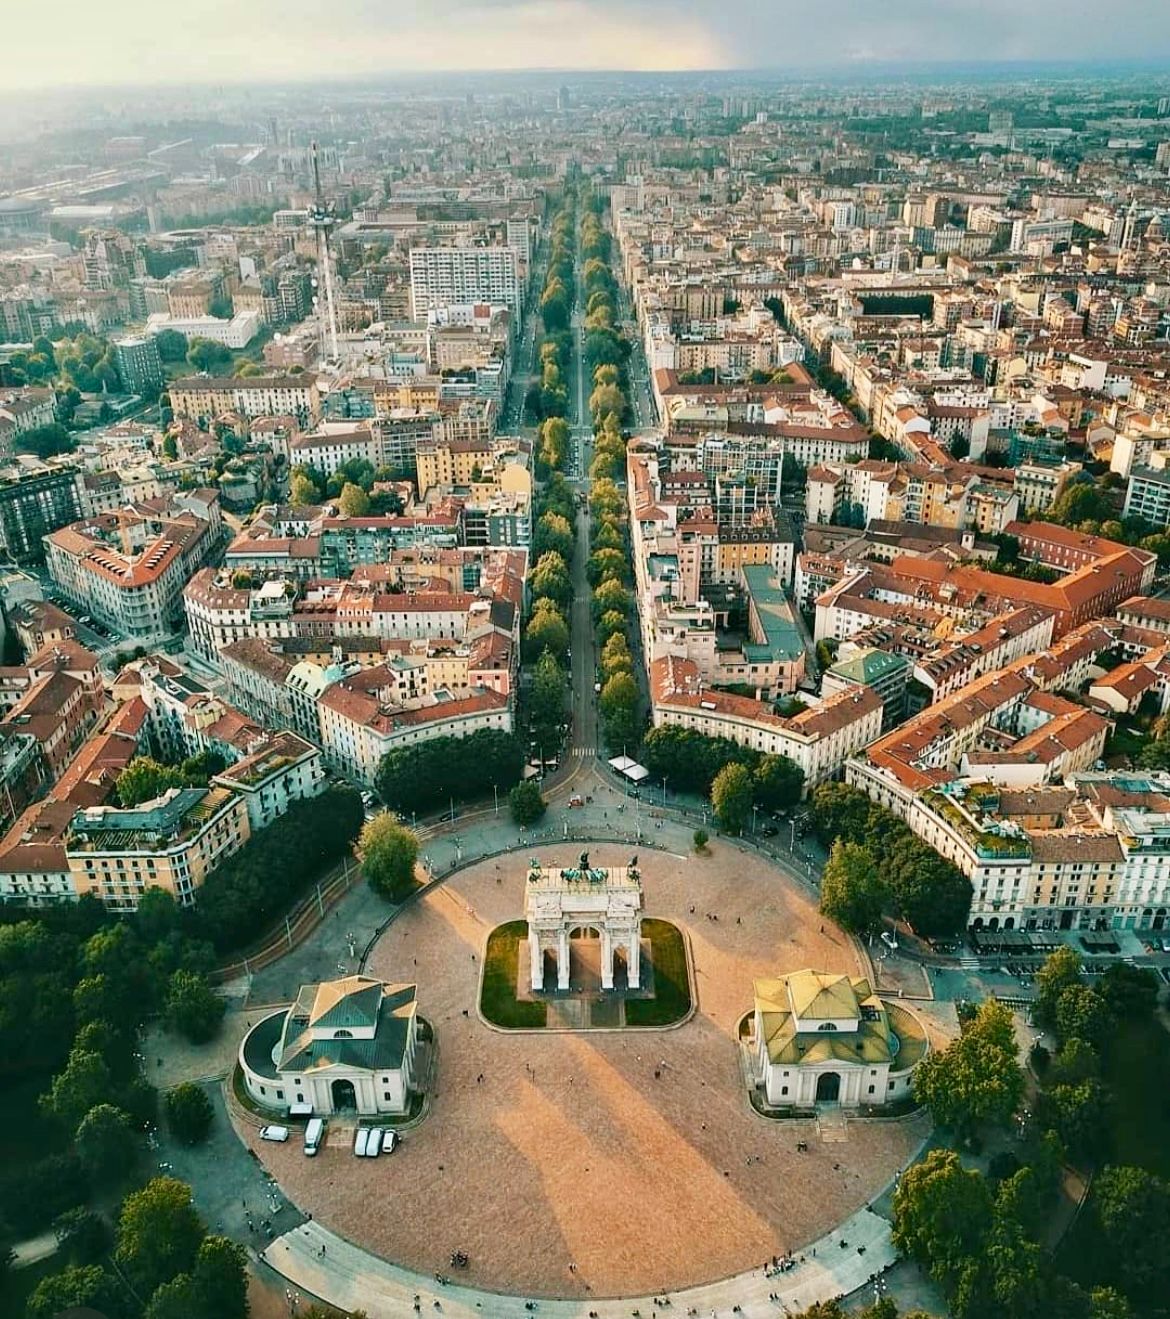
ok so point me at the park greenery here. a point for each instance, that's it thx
(692, 762)
(986, 1238)
(245, 894)
(351, 485)
(388, 852)
(436, 773)
(915, 884)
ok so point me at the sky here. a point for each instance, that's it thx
(80, 43)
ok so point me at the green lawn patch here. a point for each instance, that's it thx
(498, 1001)
(672, 987)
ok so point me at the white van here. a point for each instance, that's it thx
(361, 1138)
(314, 1136)
(274, 1133)
(374, 1144)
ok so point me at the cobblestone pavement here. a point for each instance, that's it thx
(844, 1261)
(571, 1151)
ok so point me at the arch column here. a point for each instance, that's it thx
(634, 961)
(536, 957)
(606, 959)
(563, 959)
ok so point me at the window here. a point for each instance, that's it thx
(280, 1094)
(343, 1035)
(387, 1096)
(826, 1025)
(871, 1089)
(784, 1090)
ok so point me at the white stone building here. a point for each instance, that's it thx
(346, 1045)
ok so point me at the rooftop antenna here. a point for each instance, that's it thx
(322, 218)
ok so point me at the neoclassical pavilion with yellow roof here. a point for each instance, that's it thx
(819, 1037)
(345, 1044)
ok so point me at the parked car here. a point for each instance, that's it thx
(390, 1141)
(361, 1139)
(274, 1133)
(374, 1143)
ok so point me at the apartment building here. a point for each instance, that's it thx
(129, 568)
(819, 739)
(203, 398)
(171, 843)
(446, 276)
(285, 770)
(35, 499)
(360, 721)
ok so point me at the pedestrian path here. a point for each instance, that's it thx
(319, 1263)
(583, 753)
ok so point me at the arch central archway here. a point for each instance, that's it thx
(828, 1087)
(344, 1096)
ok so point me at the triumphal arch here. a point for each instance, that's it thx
(605, 899)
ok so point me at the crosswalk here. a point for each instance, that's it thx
(582, 753)
(970, 963)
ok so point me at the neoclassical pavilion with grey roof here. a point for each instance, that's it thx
(344, 1045)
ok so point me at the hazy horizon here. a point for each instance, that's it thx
(209, 42)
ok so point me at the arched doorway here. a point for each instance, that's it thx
(828, 1088)
(585, 958)
(344, 1096)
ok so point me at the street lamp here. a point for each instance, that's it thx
(664, 789)
(755, 808)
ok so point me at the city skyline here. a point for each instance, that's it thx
(265, 42)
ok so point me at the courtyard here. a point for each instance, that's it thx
(633, 1156)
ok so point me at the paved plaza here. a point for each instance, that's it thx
(570, 1150)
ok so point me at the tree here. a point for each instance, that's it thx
(175, 1299)
(144, 779)
(170, 448)
(1132, 1207)
(612, 596)
(189, 1113)
(1079, 1114)
(616, 657)
(302, 488)
(159, 1234)
(942, 1214)
(852, 890)
(46, 441)
(192, 1008)
(779, 782)
(546, 702)
(207, 355)
(171, 345)
(606, 566)
(618, 704)
(546, 631)
(1081, 1013)
(700, 839)
(220, 1280)
(553, 532)
(388, 852)
(353, 501)
(84, 1084)
(106, 1144)
(526, 803)
(550, 578)
(731, 797)
(1061, 970)
(83, 1236)
(78, 1286)
(977, 1079)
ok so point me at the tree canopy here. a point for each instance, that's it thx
(389, 852)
